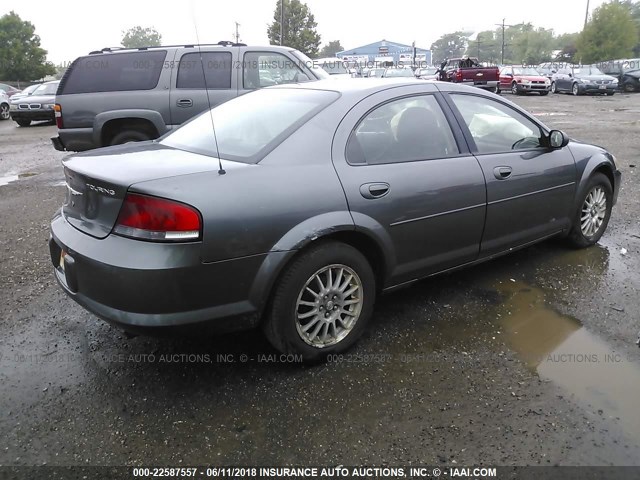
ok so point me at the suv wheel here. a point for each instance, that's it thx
(575, 89)
(4, 111)
(553, 87)
(23, 123)
(128, 136)
(322, 302)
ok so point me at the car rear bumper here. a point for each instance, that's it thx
(74, 139)
(144, 286)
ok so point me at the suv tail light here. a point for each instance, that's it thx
(58, 114)
(158, 219)
(458, 75)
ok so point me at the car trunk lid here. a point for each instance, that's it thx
(97, 181)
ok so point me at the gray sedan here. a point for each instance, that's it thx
(308, 201)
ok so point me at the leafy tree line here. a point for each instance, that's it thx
(613, 31)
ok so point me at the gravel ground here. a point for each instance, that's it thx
(466, 368)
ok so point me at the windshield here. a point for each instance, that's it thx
(592, 71)
(30, 88)
(428, 71)
(46, 89)
(249, 126)
(398, 72)
(310, 64)
(525, 71)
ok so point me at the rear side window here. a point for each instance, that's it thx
(115, 72)
(214, 67)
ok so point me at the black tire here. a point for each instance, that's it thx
(127, 136)
(281, 325)
(514, 89)
(542, 94)
(4, 112)
(577, 237)
(575, 89)
(23, 123)
(553, 87)
(610, 94)
(628, 87)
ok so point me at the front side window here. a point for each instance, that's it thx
(249, 126)
(403, 130)
(496, 128)
(264, 69)
(212, 69)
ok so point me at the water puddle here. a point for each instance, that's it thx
(7, 179)
(559, 349)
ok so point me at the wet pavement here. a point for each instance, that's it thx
(528, 359)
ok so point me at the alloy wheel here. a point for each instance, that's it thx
(329, 305)
(594, 211)
(4, 112)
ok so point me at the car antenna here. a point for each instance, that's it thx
(221, 171)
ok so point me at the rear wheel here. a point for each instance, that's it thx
(322, 302)
(23, 123)
(4, 111)
(592, 217)
(128, 136)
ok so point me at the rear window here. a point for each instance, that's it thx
(216, 66)
(250, 126)
(115, 72)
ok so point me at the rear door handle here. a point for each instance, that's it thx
(374, 190)
(185, 102)
(502, 173)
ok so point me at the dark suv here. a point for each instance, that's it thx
(116, 96)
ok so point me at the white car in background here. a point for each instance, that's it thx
(336, 67)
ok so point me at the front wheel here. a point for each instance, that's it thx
(4, 112)
(592, 218)
(628, 87)
(23, 123)
(322, 302)
(575, 89)
(542, 94)
(553, 87)
(514, 89)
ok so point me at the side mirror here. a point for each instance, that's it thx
(557, 139)
(570, 75)
(301, 77)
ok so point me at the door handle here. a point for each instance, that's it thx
(374, 190)
(502, 173)
(185, 102)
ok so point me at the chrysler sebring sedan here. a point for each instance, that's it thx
(307, 201)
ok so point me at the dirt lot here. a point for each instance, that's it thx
(530, 359)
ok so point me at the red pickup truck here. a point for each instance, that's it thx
(470, 72)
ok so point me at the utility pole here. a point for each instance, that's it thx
(237, 34)
(478, 44)
(503, 44)
(281, 20)
(586, 15)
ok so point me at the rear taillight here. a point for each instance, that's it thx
(458, 75)
(152, 218)
(58, 113)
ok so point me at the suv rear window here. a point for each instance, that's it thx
(115, 72)
(216, 65)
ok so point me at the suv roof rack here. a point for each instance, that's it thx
(222, 43)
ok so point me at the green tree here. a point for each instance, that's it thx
(449, 45)
(21, 57)
(486, 47)
(566, 43)
(138, 36)
(611, 33)
(532, 46)
(331, 48)
(299, 30)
